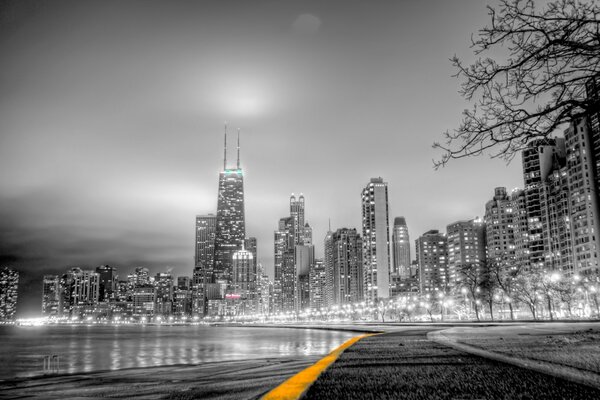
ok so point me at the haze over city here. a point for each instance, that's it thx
(112, 114)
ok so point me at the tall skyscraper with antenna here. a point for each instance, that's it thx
(231, 226)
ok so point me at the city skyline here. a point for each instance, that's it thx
(86, 183)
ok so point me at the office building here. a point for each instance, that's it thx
(230, 220)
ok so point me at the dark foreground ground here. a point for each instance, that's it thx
(405, 365)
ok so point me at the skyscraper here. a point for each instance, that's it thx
(230, 221)
(297, 214)
(293, 235)
(432, 258)
(9, 285)
(206, 226)
(330, 273)
(401, 246)
(376, 242)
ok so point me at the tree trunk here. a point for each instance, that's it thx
(476, 311)
(491, 309)
(532, 308)
(512, 316)
(549, 307)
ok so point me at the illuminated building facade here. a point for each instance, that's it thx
(540, 158)
(347, 267)
(206, 226)
(230, 229)
(50, 296)
(401, 248)
(376, 242)
(9, 285)
(432, 257)
(584, 203)
(108, 282)
(499, 225)
(317, 286)
(466, 251)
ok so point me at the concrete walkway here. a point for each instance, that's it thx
(458, 338)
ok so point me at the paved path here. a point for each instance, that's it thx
(406, 365)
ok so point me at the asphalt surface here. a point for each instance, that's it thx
(405, 365)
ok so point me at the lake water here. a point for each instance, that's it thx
(84, 348)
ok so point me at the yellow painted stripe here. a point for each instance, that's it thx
(295, 386)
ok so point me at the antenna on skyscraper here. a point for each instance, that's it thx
(238, 150)
(225, 149)
(329, 224)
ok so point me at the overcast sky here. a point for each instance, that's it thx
(112, 112)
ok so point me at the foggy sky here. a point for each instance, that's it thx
(112, 112)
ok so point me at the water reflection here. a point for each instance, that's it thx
(83, 348)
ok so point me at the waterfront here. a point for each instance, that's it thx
(88, 348)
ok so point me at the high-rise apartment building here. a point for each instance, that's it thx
(376, 242)
(466, 251)
(432, 258)
(401, 248)
(540, 158)
(584, 203)
(592, 88)
(9, 285)
(499, 227)
(230, 220)
(556, 222)
(520, 231)
(204, 260)
(347, 267)
(51, 296)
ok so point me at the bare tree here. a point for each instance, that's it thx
(504, 278)
(526, 290)
(550, 54)
(470, 277)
